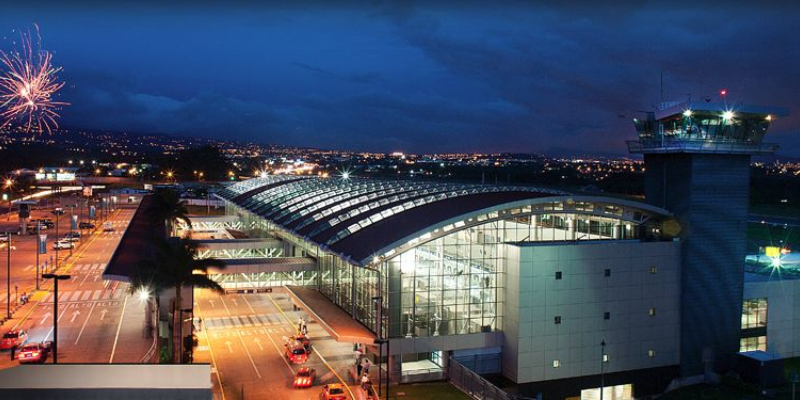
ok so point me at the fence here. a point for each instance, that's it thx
(474, 385)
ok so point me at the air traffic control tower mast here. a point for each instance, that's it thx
(697, 165)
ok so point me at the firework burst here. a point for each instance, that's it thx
(28, 83)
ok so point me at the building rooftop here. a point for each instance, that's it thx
(361, 218)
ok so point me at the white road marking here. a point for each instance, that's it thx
(228, 343)
(84, 324)
(249, 355)
(116, 338)
(75, 315)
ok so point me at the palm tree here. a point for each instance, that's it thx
(175, 266)
(168, 209)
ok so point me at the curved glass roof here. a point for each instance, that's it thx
(354, 213)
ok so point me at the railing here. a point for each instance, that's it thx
(474, 385)
(702, 146)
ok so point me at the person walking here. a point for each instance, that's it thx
(366, 365)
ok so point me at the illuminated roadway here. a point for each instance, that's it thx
(242, 337)
(98, 321)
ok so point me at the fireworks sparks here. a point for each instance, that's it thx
(28, 83)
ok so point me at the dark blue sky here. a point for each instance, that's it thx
(415, 77)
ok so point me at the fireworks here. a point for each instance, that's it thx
(28, 83)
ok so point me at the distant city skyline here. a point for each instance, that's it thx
(416, 78)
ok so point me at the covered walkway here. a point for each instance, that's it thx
(337, 322)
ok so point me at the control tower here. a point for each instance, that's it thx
(697, 163)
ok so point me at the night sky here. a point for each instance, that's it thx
(416, 77)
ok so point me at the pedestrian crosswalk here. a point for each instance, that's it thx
(76, 267)
(87, 267)
(71, 296)
(241, 321)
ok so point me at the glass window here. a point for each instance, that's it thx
(754, 313)
(753, 343)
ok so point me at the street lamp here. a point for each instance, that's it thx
(55, 278)
(8, 277)
(57, 212)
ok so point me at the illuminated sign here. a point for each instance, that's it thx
(772, 251)
(58, 177)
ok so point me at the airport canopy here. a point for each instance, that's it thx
(359, 218)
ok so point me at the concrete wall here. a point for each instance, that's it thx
(708, 193)
(783, 313)
(534, 297)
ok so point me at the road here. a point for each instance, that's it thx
(242, 337)
(99, 322)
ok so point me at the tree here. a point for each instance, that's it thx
(168, 209)
(175, 266)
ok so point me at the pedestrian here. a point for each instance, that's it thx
(366, 365)
(364, 382)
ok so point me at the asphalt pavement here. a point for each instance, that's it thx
(242, 336)
(98, 321)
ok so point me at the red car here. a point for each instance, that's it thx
(304, 378)
(296, 353)
(13, 339)
(34, 352)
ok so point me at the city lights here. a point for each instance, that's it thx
(687, 113)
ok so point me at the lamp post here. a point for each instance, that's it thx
(57, 213)
(8, 277)
(55, 278)
(602, 367)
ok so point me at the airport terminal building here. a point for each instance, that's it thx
(558, 292)
(532, 280)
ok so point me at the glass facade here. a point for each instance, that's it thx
(701, 125)
(754, 313)
(448, 281)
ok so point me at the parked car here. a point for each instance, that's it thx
(86, 225)
(108, 227)
(13, 339)
(5, 237)
(305, 341)
(304, 378)
(34, 352)
(296, 353)
(73, 236)
(63, 244)
(333, 391)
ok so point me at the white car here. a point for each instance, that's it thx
(4, 237)
(108, 227)
(63, 244)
